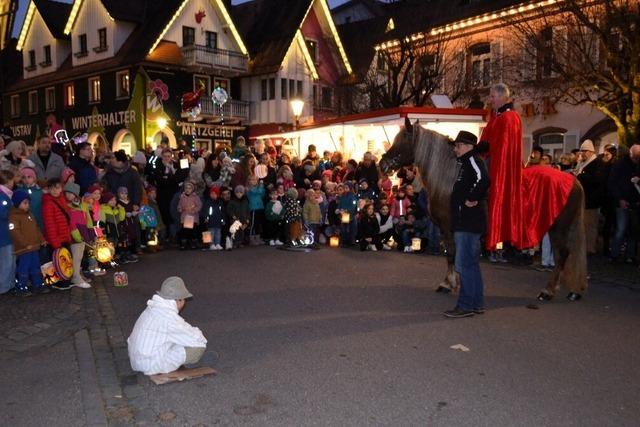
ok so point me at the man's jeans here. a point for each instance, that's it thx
(623, 218)
(467, 264)
(7, 269)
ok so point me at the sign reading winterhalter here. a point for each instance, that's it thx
(116, 118)
(202, 130)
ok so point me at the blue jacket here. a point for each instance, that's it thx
(5, 206)
(256, 197)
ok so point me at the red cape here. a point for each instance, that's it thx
(523, 203)
(504, 135)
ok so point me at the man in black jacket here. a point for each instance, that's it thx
(468, 223)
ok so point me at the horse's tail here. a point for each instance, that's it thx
(574, 273)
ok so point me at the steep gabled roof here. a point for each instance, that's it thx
(55, 15)
(268, 28)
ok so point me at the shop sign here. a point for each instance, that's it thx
(21, 130)
(116, 118)
(199, 130)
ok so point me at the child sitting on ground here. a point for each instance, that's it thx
(27, 240)
(189, 207)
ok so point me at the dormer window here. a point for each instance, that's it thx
(102, 41)
(32, 61)
(47, 56)
(82, 44)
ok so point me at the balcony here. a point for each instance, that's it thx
(220, 60)
(232, 109)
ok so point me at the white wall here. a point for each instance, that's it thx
(38, 37)
(211, 22)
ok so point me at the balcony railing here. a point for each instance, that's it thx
(231, 109)
(203, 56)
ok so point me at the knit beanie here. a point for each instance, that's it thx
(73, 188)
(18, 196)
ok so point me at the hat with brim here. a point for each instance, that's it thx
(465, 137)
(173, 288)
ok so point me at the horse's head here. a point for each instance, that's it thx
(401, 152)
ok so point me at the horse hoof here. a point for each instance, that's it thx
(543, 296)
(574, 296)
(443, 290)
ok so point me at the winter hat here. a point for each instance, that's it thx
(215, 189)
(27, 171)
(173, 288)
(139, 158)
(106, 197)
(72, 188)
(93, 188)
(19, 196)
(66, 173)
(292, 192)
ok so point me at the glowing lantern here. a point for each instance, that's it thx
(104, 251)
(334, 241)
(345, 217)
(416, 243)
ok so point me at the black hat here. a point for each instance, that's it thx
(465, 137)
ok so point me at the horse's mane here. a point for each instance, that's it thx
(434, 155)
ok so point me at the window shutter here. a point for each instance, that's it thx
(496, 61)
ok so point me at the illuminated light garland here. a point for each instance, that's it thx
(72, 16)
(25, 26)
(307, 55)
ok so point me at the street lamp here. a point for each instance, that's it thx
(296, 107)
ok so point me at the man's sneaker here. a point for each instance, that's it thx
(386, 247)
(408, 249)
(457, 313)
(83, 285)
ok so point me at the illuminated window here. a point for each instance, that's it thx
(69, 95)
(94, 89)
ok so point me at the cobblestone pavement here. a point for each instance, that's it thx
(46, 330)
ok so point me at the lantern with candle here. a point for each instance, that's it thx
(416, 243)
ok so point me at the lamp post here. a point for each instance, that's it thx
(297, 105)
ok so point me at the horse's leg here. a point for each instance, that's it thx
(451, 281)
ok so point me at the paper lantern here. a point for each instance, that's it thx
(104, 251)
(334, 241)
(345, 217)
(416, 243)
(206, 237)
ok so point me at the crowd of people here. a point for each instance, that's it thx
(55, 195)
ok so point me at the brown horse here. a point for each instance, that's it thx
(432, 153)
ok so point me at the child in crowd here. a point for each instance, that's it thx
(30, 186)
(255, 195)
(7, 259)
(238, 210)
(368, 229)
(27, 240)
(189, 208)
(385, 225)
(274, 213)
(55, 217)
(311, 213)
(214, 217)
(347, 204)
(129, 227)
(292, 216)
(400, 205)
(81, 228)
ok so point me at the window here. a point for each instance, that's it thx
(50, 98)
(272, 88)
(211, 39)
(82, 46)
(122, 84)
(33, 102)
(69, 95)
(47, 56)
(102, 41)
(32, 61)
(312, 47)
(283, 89)
(481, 65)
(327, 97)
(94, 89)
(15, 106)
(263, 89)
(188, 36)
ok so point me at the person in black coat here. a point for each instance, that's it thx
(468, 223)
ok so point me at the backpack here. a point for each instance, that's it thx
(148, 216)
